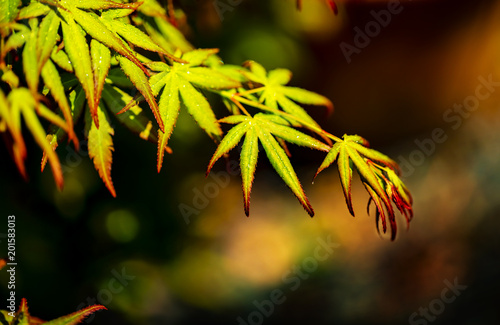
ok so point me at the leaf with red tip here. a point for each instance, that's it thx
(21, 102)
(100, 144)
(378, 176)
(248, 165)
(264, 128)
(53, 82)
(141, 82)
(78, 52)
(170, 106)
(230, 140)
(283, 167)
(345, 172)
(199, 108)
(101, 62)
(95, 28)
(76, 317)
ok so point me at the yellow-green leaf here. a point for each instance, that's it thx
(34, 9)
(8, 10)
(283, 167)
(209, 78)
(78, 51)
(230, 140)
(95, 28)
(104, 4)
(21, 100)
(248, 164)
(306, 97)
(30, 61)
(198, 106)
(100, 144)
(345, 173)
(141, 82)
(279, 76)
(169, 110)
(101, 62)
(47, 37)
(53, 82)
(61, 59)
(133, 35)
(290, 134)
(198, 56)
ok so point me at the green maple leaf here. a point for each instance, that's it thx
(275, 94)
(179, 83)
(266, 129)
(20, 102)
(100, 144)
(379, 175)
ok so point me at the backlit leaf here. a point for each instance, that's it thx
(100, 144)
(78, 51)
(141, 82)
(47, 37)
(248, 165)
(53, 82)
(198, 106)
(101, 62)
(283, 167)
(209, 78)
(169, 109)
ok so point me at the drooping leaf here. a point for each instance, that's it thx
(265, 129)
(141, 82)
(53, 82)
(378, 174)
(79, 53)
(199, 56)
(15, 40)
(47, 37)
(22, 102)
(198, 106)
(248, 165)
(134, 36)
(101, 62)
(61, 59)
(77, 102)
(30, 60)
(100, 144)
(169, 109)
(282, 165)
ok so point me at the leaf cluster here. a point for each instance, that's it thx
(66, 61)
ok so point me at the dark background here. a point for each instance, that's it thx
(395, 93)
